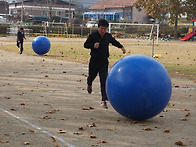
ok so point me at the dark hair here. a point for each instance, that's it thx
(103, 22)
(21, 29)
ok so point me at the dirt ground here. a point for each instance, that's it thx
(44, 103)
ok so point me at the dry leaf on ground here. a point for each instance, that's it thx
(147, 129)
(4, 141)
(26, 143)
(62, 131)
(180, 143)
(93, 136)
(91, 125)
(77, 133)
(53, 139)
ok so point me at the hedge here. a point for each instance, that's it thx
(164, 29)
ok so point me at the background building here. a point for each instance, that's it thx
(116, 10)
(39, 10)
(4, 10)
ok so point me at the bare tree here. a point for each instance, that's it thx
(46, 6)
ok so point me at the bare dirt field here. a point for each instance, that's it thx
(44, 103)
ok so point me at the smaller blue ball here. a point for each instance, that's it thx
(41, 45)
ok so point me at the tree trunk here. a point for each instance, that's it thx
(50, 13)
(176, 27)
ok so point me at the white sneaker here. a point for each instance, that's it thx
(104, 104)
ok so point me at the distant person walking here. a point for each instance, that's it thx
(99, 42)
(20, 39)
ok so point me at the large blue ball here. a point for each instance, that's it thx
(138, 87)
(41, 45)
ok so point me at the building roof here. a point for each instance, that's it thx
(60, 2)
(194, 20)
(103, 4)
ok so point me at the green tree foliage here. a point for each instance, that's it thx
(191, 9)
(175, 8)
(154, 8)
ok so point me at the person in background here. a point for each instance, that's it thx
(98, 42)
(20, 39)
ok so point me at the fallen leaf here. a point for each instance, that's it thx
(167, 131)
(81, 128)
(134, 122)
(52, 111)
(20, 93)
(4, 141)
(77, 133)
(103, 141)
(88, 108)
(6, 97)
(93, 136)
(53, 139)
(147, 129)
(180, 143)
(183, 119)
(62, 131)
(185, 110)
(46, 117)
(26, 143)
(23, 133)
(31, 131)
(165, 110)
(188, 114)
(64, 118)
(158, 127)
(91, 125)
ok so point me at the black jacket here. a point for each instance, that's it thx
(103, 51)
(20, 36)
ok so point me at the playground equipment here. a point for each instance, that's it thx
(13, 30)
(138, 87)
(191, 33)
(125, 28)
(59, 29)
(154, 29)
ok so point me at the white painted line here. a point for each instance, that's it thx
(38, 128)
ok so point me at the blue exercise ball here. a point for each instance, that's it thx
(41, 45)
(138, 87)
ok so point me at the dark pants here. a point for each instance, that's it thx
(98, 66)
(20, 44)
